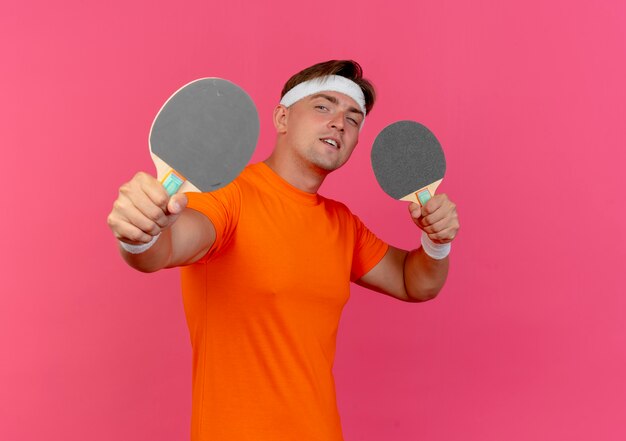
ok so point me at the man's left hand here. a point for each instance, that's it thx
(437, 218)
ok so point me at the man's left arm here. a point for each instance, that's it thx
(418, 275)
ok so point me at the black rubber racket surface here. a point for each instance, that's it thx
(203, 136)
(408, 161)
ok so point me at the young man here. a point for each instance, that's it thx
(267, 263)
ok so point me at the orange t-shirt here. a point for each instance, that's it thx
(263, 307)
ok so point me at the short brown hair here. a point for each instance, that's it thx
(345, 68)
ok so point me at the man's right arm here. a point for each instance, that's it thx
(143, 211)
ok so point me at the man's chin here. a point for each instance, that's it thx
(327, 167)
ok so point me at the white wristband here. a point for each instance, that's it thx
(437, 251)
(138, 249)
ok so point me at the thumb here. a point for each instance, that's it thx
(415, 210)
(177, 203)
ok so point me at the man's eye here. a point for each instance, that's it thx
(319, 106)
(353, 121)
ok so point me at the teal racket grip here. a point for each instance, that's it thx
(423, 196)
(173, 182)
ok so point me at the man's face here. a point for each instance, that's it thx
(323, 129)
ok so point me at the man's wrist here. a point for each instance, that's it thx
(138, 249)
(437, 251)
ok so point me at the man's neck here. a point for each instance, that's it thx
(301, 176)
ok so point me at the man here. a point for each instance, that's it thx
(267, 262)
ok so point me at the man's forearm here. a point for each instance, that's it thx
(424, 276)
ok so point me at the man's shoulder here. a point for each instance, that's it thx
(334, 203)
(338, 208)
(250, 175)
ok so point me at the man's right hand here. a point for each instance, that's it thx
(143, 209)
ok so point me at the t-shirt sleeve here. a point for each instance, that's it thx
(222, 207)
(368, 250)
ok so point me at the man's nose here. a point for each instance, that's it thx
(338, 121)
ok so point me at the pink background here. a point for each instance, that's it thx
(527, 341)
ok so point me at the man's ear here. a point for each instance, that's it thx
(281, 114)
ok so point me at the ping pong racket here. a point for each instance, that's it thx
(408, 161)
(203, 136)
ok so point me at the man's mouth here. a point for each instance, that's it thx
(331, 142)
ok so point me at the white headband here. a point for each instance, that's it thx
(333, 83)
